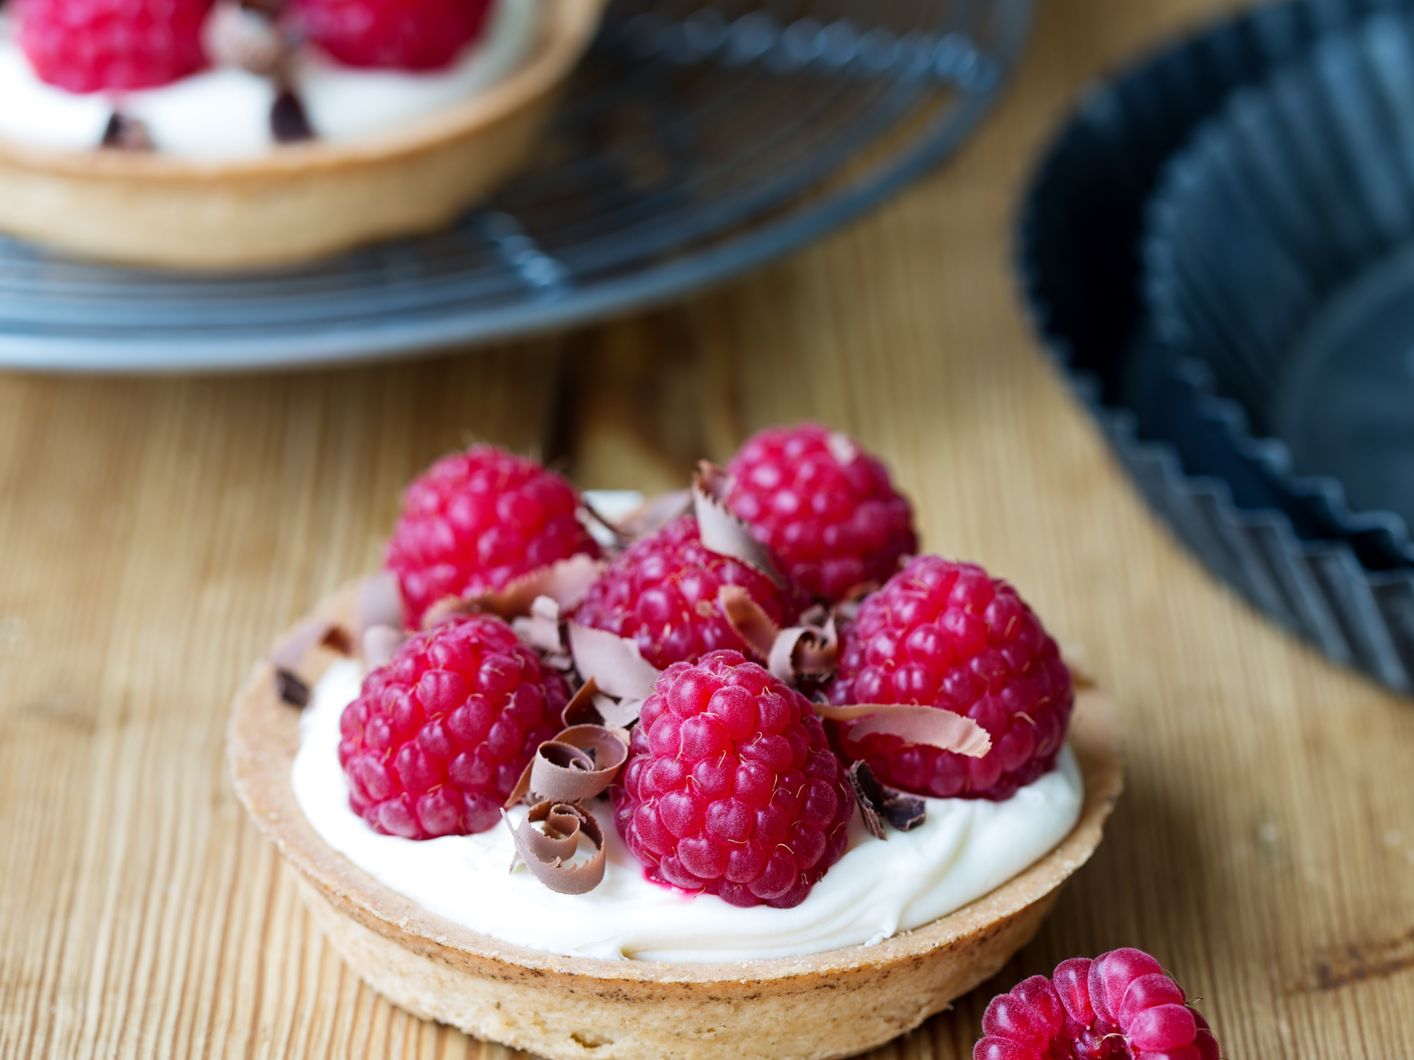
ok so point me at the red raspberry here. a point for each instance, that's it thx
(397, 34)
(731, 787)
(96, 45)
(661, 592)
(1120, 1006)
(946, 635)
(826, 508)
(478, 520)
(438, 737)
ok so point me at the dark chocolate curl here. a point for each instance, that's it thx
(878, 803)
(546, 852)
(291, 688)
(720, 530)
(380, 602)
(289, 123)
(749, 619)
(650, 516)
(615, 663)
(123, 133)
(929, 726)
(565, 582)
(380, 644)
(579, 763)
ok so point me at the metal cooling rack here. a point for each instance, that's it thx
(697, 140)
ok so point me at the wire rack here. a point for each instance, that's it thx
(696, 140)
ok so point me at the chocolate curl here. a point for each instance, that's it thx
(543, 631)
(380, 644)
(579, 763)
(380, 602)
(247, 36)
(123, 133)
(565, 581)
(804, 651)
(289, 653)
(929, 726)
(878, 803)
(749, 619)
(618, 669)
(650, 516)
(720, 530)
(546, 853)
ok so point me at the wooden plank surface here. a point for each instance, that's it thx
(157, 533)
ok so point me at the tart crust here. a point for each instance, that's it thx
(299, 201)
(827, 1004)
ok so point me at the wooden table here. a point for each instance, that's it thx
(154, 535)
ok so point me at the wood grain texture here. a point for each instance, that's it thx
(156, 534)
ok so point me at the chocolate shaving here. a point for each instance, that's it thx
(290, 650)
(650, 516)
(579, 763)
(288, 121)
(123, 133)
(380, 602)
(291, 688)
(546, 852)
(618, 713)
(615, 663)
(565, 582)
(879, 803)
(804, 652)
(929, 726)
(720, 530)
(338, 639)
(807, 651)
(248, 35)
(756, 628)
(380, 644)
(581, 709)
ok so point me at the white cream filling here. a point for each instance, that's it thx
(224, 113)
(964, 849)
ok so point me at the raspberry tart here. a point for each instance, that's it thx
(237, 133)
(715, 845)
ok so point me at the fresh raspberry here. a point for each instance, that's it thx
(731, 787)
(661, 592)
(439, 736)
(478, 520)
(1120, 1006)
(393, 34)
(826, 508)
(113, 45)
(945, 635)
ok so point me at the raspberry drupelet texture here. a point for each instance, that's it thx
(1119, 1006)
(946, 635)
(438, 737)
(661, 592)
(731, 787)
(112, 45)
(826, 508)
(476, 521)
(393, 34)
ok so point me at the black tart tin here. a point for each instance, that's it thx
(1280, 277)
(1079, 256)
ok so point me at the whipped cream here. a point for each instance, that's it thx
(223, 113)
(963, 850)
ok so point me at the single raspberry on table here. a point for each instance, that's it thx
(1119, 1006)
(731, 787)
(393, 34)
(439, 736)
(112, 45)
(826, 508)
(661, 592)
(946, 635)
(476, 521)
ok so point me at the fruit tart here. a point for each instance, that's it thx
(237, 133)
(730, 771)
